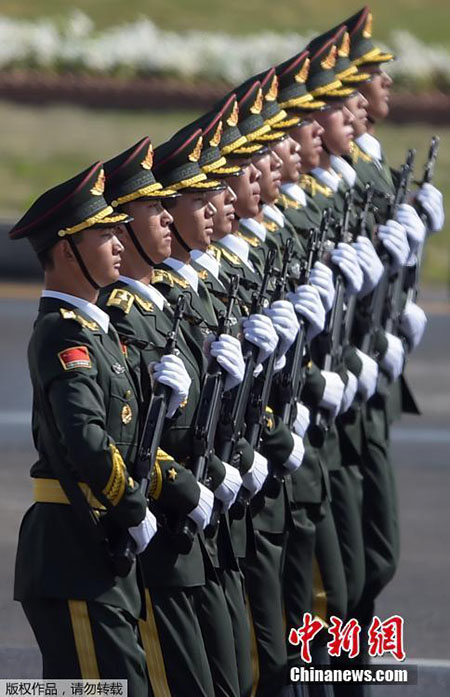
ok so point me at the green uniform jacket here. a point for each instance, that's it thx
(368, 171)
(138, 320)
(84, 403)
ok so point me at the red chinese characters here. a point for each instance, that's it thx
(387, 637)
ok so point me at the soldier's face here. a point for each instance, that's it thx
(151, 226)
(309, 137)
(289, 153)
(224, 216)
(247, 190)
(337, 124)
(269, 166)
(358, 106)
(193, 217)
(377, 92)
(101, 251)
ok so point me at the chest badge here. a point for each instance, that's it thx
(126, 414)
(117, 368)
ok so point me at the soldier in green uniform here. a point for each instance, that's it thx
(82, 609)
(189, 239)
(380, 519)
(148, 242)
(143, 320)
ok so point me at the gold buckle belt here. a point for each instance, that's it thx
(51, 491)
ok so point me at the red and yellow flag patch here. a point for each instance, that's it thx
(76, 357)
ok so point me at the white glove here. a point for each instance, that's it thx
(228, 490)
(346, 258)
(415, 229)
(394, 358)
(302, 419)
(295, 459)
(143, 533)
(367, 379)
(349, 392)
(201, 514)
(370, 263)
(412, 323)
(259, 330)
(307, 303)
(170, 371)
(333, 392)
(285, 322)
(321, 277)
(227, 350)
(255, 477)
(394, 239)
(431, 201)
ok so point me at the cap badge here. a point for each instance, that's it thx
(273, 91)
(195, 154)
(330, 61)
(99, 186)
(302, 74)
(147, 162)
(215, 140)
(258, 103)
(367, 31)
(234, 116)
(344, 48)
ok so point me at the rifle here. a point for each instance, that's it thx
(395, 290)
(412, 282)
(124, 554)
(291, 378)
(207, 420)
(386, 292)
(234, 414)
(330, 341)
(259, 398)
(369, 192)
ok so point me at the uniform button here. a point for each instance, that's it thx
(127, 394)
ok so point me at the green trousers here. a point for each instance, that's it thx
(263, 573)
(380, 510)
(174, 646)
(347, 499)
(85, 639)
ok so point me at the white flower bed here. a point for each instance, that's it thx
(141, 48)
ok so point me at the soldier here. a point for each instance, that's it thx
(82, 605)
(185, 593)
(257, 329)
(380, 514)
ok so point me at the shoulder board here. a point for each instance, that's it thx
(313, 187)
(161, 276)
(357, 154)
(145, 304)
(270, 225)
(232, 258)
(288, 202)
(253, 241)
(71, 314)
(203, 274)
(215, 252)
(180, 282)
(122, 299)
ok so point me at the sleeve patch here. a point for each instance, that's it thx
(76, 357)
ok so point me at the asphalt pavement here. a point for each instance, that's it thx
(421, 453)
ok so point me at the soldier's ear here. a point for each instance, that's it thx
(64, 252)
